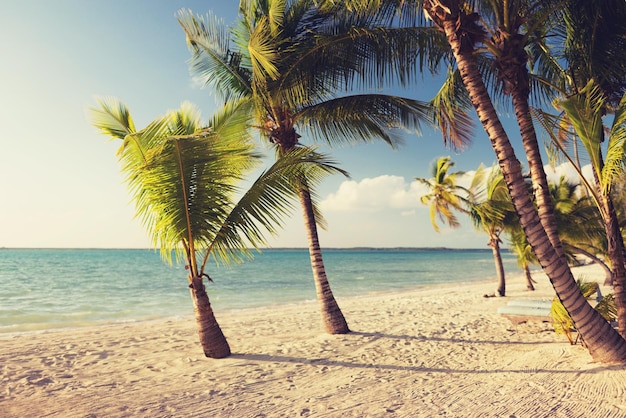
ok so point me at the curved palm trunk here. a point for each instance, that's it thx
(608, 274)
(494, 243)
(332, 317)
(616, 255)
(529, 278)
(615, 250)
(212, 339)
(603, 342)
(545, 206)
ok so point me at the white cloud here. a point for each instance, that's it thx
(383, 211)
(567, 170)
(374, 194)
(380, 193)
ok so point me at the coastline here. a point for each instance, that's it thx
(431, 351)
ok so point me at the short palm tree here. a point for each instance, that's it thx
(184, 178)
(293, 61)
(584, 111)
(444, 195)
(525, 257)
(492, 212)
(487, 204)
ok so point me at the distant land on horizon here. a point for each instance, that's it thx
(275, 248)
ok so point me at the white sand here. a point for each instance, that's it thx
(435, 352)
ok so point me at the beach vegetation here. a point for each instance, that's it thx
(468, 33)
(302, 67)
(491, 210)
(186, 179)
(589, 83)
(604, 305)
(514, 37)
(485, 201)
(582, 113)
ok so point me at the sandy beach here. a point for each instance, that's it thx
(438, 351)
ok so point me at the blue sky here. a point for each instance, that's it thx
(60, 182)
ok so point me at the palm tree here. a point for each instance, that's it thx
(591, 84)
(525, 257)
(464, 34)
(493, 212)
(584, 112)
(445, 195)
(293, 61)
(489, 207)
(184, 178)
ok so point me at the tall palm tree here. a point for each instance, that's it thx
(184, 178)
(464, 34)
(590, 67)
(584, 111)
(465, 31)
(294, 61)
(514, 29)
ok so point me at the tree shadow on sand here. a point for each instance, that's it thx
(378, 335)
(374, 336)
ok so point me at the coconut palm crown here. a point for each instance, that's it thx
(294, 63)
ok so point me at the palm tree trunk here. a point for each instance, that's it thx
(494, 243)
(545, 206)
(212, 339)
(529, 278)
(332, 317)
(615, 249)
(616, 255)
(603, 342)
(608, 274)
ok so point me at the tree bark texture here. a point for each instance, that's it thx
(332, 317)
(529, 278)
(545, 206)
(212, 339)
(615, 244)
(494, 243)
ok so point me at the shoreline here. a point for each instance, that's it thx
(432, 351)
(233, 311)
(228, 310)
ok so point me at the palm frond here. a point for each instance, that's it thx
(616, 150)
(233, 120)
(268, 200)
(212, 60)
(184, 189)
(364, 118)
(263, 51)
(355, 57)
(112, 117)
(276, 15)
(450, 105)
(584, 111)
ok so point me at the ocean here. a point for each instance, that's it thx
(43, 289)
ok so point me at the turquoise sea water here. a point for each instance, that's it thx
(44, 289)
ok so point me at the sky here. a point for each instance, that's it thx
(60, 183)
